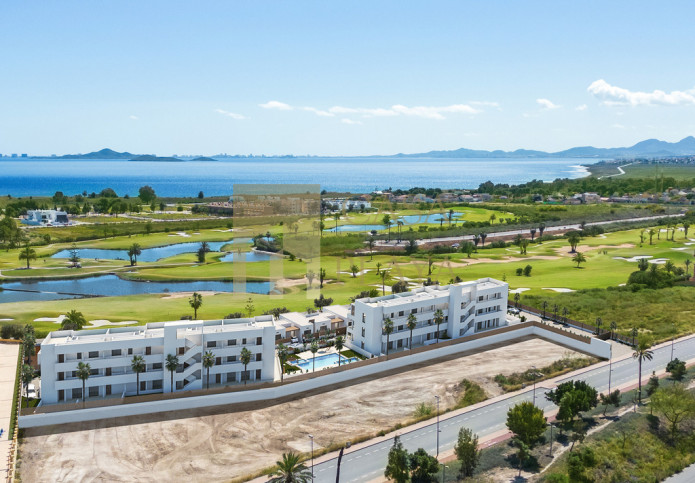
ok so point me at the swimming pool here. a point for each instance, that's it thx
(323, 361)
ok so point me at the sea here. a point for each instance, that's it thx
(21, 177)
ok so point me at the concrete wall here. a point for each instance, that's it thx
(329, 377)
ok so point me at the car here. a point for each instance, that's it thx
(455, 245)
(31, 391)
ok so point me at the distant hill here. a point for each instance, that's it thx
(203, 158)
(103, 154)
(158, 159)
(648, 148)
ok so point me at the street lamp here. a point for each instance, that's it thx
(444, 467)
(437, 397)
(551, 440)
(673, 338)
(534, 384)
(610, 368)
(311, 437)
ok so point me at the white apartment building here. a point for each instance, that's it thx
(46, 218)
(303, 325)
(109, 353)
(467, 308)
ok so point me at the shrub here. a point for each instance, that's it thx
(423, 410)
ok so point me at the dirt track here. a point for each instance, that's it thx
(222, 446)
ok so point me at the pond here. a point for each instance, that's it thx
(148, 254)
(407, 220)
(252, 256)
(112, 286)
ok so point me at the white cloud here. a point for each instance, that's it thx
(583, 107)
(349, 121)
(547, 104)
(426, 112)
(617, 126)
(134, 118)
(233, 115)
(613, 95)
(281, 106)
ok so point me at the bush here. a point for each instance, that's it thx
(423, 410)
(11, 331)
(527, 270)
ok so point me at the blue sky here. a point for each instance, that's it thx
(342, 78)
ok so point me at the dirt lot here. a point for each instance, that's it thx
(221, 446)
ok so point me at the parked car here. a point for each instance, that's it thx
(31, 391)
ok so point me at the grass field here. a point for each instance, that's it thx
(679, 172)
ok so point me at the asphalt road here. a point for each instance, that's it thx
(368, 463)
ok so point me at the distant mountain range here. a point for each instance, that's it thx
(652, 148)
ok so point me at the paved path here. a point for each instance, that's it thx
(685, 476)
(8, 371)
(366, 462)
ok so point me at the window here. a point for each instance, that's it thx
(480, 298)
(218, 361)
(258, 356)
(93, 354)
(157, 384)
(231, 358)
(401, 313)
(108, 371)
(364, 316)
(115, 352)
(243, 341)
(231, 377)
(400, 327)
(362, 344)
(143, 385)
(61, 358)
(61, 394)
(148, 350)
(94, 391)
(362, 331)
(259, 340)
(211, 343)
(77, 393)
(61, 376)
(258, 374)
(157, 366)
(231, 342)
(94, 372)
(79, 355)
(414, 311)
(130, 351)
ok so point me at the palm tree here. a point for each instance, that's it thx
(669, 266)
(195, 302)
(641, 353)
(579, 258)
(73, 320)
(138, 366)
(411, 324)
(483, 236)
(283, 355)
(651, 233)
(687, 265)
(541, 229)
(208, 362)
(614, 327)
(354, 269)
(133, 252)
(27, 254)
(82, 374)
(336, 217)
(555, 309)
(686, 227)
(383, 282)
(204, 248)
(245, 359)
(378, 268)
(339, 344)
(314, 348)
(322, 277)
(599, 323)
(370, 243)
(400, 225)
(517, 297)
(532, 231)
(291, 470)
(386, 221)
(388, 329)
(634, 332)
(172, 363)
(573, 239)
(545, 306)
(476, 240)
(438, 319)
(565, 313)
(451, 215)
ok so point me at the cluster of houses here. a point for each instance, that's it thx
(452, 311)
(46, 218)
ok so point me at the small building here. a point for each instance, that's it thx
(46, 218)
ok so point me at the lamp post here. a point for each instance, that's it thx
(311, 437)
(610, 368)
(534, 384)
(444, 467)
(437, 397)
(340, 458)
(551, 440)
(673, 338)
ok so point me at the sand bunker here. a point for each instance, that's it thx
(559, 290)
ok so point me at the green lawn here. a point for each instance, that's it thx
(679, 172)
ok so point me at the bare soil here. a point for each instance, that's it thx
(216, 445)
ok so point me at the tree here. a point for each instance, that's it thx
(370, 243)
(652, 384)
(483, 236)
(322, 302)
(573, 397)
(686, 227)
(527, 270)
(201, 195)
(290, 470)
(245, 358)
(383, 282)
(517, 298)
(573, 239)
(578, 258)
(138, 366)
(354, 269)
(411, 324)
(73, 320)
(196, 301)
(669, 266)
(527, 422)
(541, 229)
(675, 403)
(612, 399)
(27, 375)
(599, 323)
(533, 233)
(651, 234)
(82, 374)
(29, 341)
(147, 194)
(388, 329)
(339, 344)
(336, 217)
(133, 253)
(310, 276)
(687, 265)
(422, 466)
(27, 254)
(208, 362)
(544, 306)
(641, 353)
(399, 287)
(202, 251)
(322, 277)
(171, 364)
(397, 464)
(283, 356)
(314, 348)
(614, 327)
(386, 221)
(438, 319)
(74, 256)
(676, 368)
(523, 246)
(467, 452)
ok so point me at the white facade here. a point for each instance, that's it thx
(46, 217)
(302, 325)
(348, 205)
(467, 308)
(109, 353)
